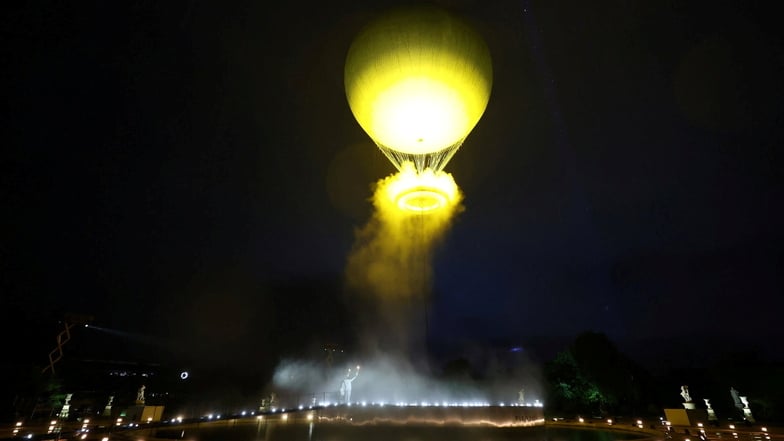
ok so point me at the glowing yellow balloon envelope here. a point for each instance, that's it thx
(417, 81)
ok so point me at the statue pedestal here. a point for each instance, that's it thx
(712, 415)
(144, 414)
(748, 416)
(689, 406)
(65, 411)
(686, 417)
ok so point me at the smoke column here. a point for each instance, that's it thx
(389, 270)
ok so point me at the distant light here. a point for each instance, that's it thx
(285, 417)
(243, 413)
(732, 426)
(764, 429)
(184, 375)
(639, 421)
(699, 424)
(581, 420)
(609, 421)
(310, 416)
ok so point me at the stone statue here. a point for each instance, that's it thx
(107, 411)
(685, 394)
(711, 412)
(140, 395)
(687, 404)
(521, 397)
(65, 411)
(736, 398)
(747, 410)
(345, 385)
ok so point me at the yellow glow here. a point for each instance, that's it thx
(392, 256)
(419, 115)
(418, 80)
(423, 192)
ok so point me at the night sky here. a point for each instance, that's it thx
(190, 173)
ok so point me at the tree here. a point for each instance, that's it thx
(592, 376)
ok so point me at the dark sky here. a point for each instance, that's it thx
(191, 172)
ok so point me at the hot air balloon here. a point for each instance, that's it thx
(418, 80)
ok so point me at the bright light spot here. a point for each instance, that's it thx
(424, 192)
(106, 438)
(87, 420)
(243, 413)
(764, 429)
(609, 421)
(310, 417)
(18, 424)
(426, 92)
(581, 420)
(285, 417)
(732, 426)
(699, 424)
(84, 436)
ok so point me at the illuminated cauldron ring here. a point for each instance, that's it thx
(421, 200)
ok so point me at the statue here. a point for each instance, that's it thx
(711, 412)
(687, 398)
(345, 385)
(521, 397)
(735, 398)
(64, 413)
(685, 394)
(747, 410)
(140, 395)
(107, 411)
